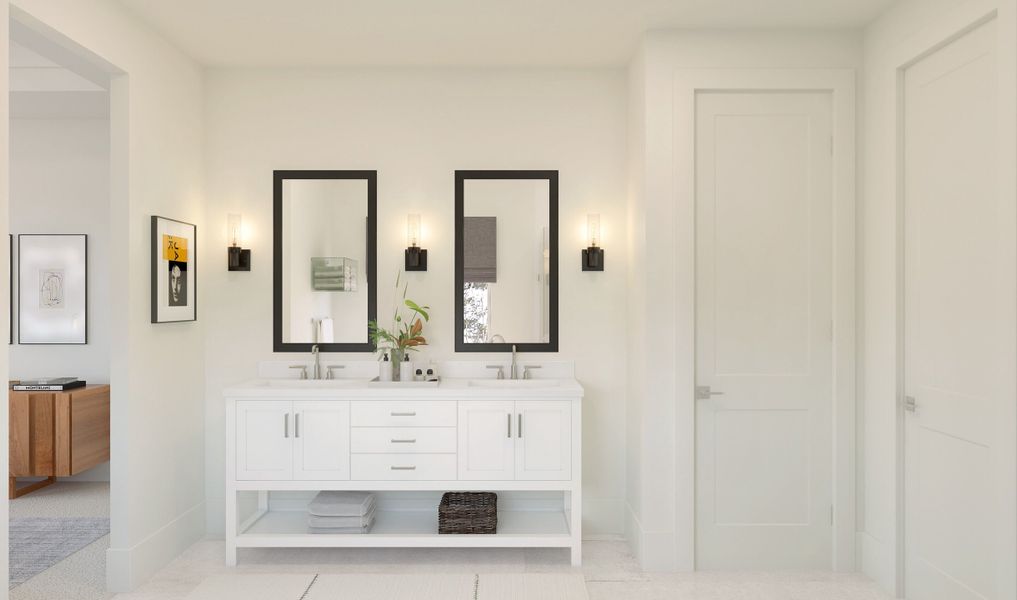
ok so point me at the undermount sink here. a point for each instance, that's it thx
(312, 383)
(513, 383)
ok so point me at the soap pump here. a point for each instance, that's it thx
(385, 369)
(406, 369)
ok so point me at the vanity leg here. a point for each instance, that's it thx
(231, 528)
(576, 526)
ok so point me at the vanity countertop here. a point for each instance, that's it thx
(452, 388)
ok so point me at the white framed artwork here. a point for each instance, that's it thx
(174, 271)
(52, 289)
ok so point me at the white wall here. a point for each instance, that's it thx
(416, 127)
(903, 34)
(60, 184)
(157, 371)
(659, 539)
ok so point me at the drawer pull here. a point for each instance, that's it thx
(509, 422)
(413, 468)
(404, 414)
(404, 441)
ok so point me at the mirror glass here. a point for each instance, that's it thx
(324, 260)
(506, 260)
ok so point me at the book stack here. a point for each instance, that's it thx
(52, 384)
(341, 512)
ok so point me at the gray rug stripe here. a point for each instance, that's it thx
(38, 543)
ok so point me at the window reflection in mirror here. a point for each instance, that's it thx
(504, 259)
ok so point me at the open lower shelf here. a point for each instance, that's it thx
(409, 528)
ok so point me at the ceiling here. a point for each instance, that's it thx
(250, 33)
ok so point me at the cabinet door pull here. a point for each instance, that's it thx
(296, 425)
(519, 430)
(409, 441)
(404, 414)
(394, 468)
(286, 425)
(508, 422)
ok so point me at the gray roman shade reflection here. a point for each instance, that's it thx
(480, 249)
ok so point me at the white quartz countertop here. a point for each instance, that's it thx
(365, 389)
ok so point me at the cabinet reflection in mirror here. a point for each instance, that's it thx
(325, 232)
(506, 261)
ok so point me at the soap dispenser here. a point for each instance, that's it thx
(406, 369)
(385, 368)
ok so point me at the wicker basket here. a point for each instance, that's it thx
(468, 512)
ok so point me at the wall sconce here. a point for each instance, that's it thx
(239, 258)
(416, 257)
(593, 257)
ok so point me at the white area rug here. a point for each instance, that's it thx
(504, 586)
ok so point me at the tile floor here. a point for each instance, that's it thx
(611, 572)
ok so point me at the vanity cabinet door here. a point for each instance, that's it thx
(321, 440)
(264, 442)
(486, 445)
(543, 440)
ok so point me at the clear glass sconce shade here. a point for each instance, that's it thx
(233, 230)
(593, 229)
(412, 230)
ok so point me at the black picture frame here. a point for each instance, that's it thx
(552, 344)
(156, 273)
(278, 177)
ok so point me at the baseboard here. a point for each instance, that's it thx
(126, 568)
(655, 550)
(878, 561)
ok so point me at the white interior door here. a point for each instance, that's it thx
(321, 438)
(264, 439)
(955, 336)
(543, 440)
(486, 443)
(763, 330)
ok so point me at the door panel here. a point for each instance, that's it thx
(763, 330)
(264, 442)
(952, 333)
(485, 440)
(321, 438)
(543, 440)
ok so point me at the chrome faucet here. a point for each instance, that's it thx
(514, 375)
(316, 366)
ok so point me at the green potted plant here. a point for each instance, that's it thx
(406, 333)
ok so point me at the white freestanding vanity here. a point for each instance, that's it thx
(517, 436)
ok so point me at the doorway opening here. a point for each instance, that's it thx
(62, 328)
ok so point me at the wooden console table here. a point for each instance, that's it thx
(57, 434)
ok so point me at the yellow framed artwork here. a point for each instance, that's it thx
(174, 271)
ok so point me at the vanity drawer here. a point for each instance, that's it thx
(403, 467)
(412, 440)
(403, 414)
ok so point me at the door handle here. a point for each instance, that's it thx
(286, 425)
(296, 425)
(508, 423)
(909, 404)
(519, 430)
(703, 392)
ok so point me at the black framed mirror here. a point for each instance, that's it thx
(325, 229)
(506, 261)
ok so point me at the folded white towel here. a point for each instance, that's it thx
(341, 530)
(341, 504)
(319, 522)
